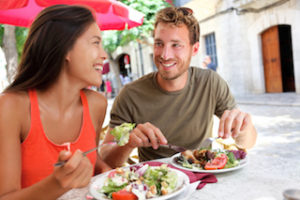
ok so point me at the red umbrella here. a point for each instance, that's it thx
(111, 14)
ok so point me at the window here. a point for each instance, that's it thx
(210, 46)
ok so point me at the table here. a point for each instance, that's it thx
(273, 164)
(268, 173)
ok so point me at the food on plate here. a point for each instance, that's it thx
(210, 159)
(227, 144)
(139, 182)
(121, 133)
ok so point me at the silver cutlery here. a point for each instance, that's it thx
(207, 143)
(174, 147)
(61, 163)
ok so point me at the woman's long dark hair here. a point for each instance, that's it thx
(51, 36)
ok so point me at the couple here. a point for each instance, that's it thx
(47, 115)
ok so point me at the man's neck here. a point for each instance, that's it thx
(173, 85)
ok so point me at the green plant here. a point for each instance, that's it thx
(113, 39)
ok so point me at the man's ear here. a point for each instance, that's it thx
(195, 48)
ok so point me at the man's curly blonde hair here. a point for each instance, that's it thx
(179, 16)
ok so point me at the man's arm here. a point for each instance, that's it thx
(144, 135)
(239, 126)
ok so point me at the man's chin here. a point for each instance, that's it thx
(169, 77)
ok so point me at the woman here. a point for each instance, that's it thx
(46, 114)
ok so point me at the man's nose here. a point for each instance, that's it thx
(166, 53)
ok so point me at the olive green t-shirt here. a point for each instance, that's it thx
(185, 117)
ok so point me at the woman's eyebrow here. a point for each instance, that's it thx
(97, 37)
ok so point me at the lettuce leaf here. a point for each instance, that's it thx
(121, 133)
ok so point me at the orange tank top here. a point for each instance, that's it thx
(39, 153)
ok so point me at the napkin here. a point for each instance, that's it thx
(193, 176)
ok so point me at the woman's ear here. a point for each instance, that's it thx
(67, 58)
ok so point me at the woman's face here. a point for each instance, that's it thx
(85, 59)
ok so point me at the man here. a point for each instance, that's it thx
(176, 104)
(209, 64)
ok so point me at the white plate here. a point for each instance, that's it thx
(182, 183)
(242, 164)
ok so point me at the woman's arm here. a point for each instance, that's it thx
(75, 173)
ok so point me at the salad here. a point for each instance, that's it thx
(139, 182)
(122, 132)
(208, 159)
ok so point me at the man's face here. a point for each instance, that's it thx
(172, 50)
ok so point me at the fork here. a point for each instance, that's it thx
(61, 163)
(207, 143)
(174, 147)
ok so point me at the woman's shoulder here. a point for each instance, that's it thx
(14, 100)
(97, 107)
(14, 106)
(96, 100)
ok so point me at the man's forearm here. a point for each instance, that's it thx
(115, 155)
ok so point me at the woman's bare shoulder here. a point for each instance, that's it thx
(14, 102)
(95, 99)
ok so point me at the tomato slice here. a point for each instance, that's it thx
(112, 174)
(217, 163)
(123, 195)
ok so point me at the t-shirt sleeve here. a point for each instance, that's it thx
(120, 112)
(223, 96)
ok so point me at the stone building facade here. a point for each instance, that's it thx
(256, 44)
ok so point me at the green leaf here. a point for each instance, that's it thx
(113, 39)
(121, 133)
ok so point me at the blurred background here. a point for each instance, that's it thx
(252, 43)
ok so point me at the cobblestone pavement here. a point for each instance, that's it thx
(275, 99)
(274, 122)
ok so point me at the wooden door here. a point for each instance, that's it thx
(271, 60)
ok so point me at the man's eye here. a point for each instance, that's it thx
(176, 45)
(97, 42)
(158, 44)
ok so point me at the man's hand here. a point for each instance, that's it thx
(238, 125)
(146, 135)
(233, 122)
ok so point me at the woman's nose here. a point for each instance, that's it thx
(103, 53)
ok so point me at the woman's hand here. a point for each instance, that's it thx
(76, 172)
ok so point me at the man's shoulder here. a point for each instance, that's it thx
(199, 73)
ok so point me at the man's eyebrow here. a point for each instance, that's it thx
(177, 41)
(159, 40)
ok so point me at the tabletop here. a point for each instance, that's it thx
(272, 167)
